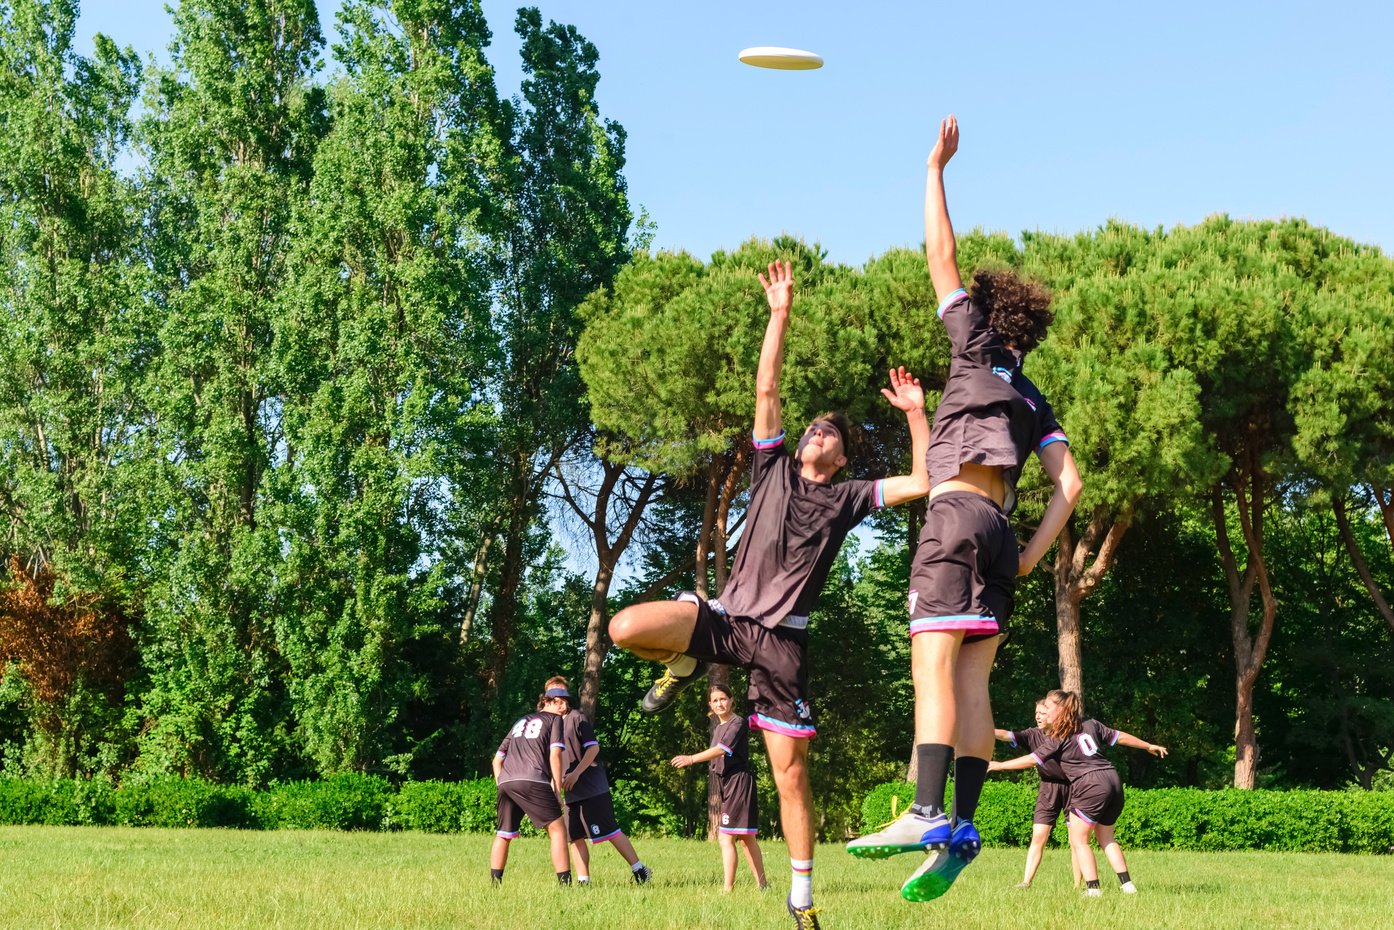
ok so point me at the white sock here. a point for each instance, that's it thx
(682, 666)
(801, 887)
(639, 864)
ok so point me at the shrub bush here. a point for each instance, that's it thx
(346, 801)
(63, 801)
(445, 807)
(181, 802)
(1189, 818)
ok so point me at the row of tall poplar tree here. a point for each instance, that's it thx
(309, 380)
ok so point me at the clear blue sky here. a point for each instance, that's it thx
(1071, 113)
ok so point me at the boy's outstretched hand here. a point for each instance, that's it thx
(779, 287)
(905, 393)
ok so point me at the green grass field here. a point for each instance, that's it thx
(99, 877)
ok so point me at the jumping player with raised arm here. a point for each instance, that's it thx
(963, 579)
(1052, 799)
(527, 769)
(729, 755)
(795, 524)
(590, 810)
(1075, 743)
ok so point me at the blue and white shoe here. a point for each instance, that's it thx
(937, 873)
(910, 832)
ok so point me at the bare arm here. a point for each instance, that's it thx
(1003, 735)
(498, 766)
(586, 761)
(906, 395)
(1059, 465)
(1012, 765)
(1128, 739)
(779, 292)
(556, 770)
(939, 246)
(706, 755)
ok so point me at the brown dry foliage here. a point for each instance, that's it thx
(58, 645)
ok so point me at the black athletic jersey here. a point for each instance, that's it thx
(527, 749)
(1076, 755)
(579, 737)
(991, 413)
(1048, 768)
(793, 530)
(733, 737)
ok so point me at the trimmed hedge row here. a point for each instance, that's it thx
(341, 802)
(1188, 818)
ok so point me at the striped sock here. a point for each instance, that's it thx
(801, 887)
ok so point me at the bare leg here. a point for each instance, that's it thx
(1079, 843)
(933, 656)
(728, 860)
(656, 630)
(556, 835)
(1040, 833)
(755, 860)
(625, 848)
(1074, 865)
(974, 708)
(583, 858)
(498, 855)
(789, 763)
(1112, 851)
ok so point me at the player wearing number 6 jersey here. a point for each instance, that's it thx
(1076, 744)
(527, 769)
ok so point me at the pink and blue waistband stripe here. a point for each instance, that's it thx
(1057, 436)
(504, 834)
(1080, 814)
(767, 443)
(739, 831)
(607, 837)
(796, 730)
(953, 295)
(969, 623)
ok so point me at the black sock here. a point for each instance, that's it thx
(564, 878)
(932, 760)
(1094, 884)
(1124, 878)
(496, 876)
(969, 775)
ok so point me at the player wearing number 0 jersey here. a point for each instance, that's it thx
(1052, 799)
(527, 770)
(1077, 745)
(590, 810)
(729, 758)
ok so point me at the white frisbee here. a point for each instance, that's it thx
(781, 59)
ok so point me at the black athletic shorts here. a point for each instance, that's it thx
(739, 811)
(534, 798)
(777, 659)
(1052, 798)
(592, 818)
(1097, 797)
(964, 573)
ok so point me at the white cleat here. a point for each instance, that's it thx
(910, 832)
(1129, 888)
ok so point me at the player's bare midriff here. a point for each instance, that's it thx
(984, 480)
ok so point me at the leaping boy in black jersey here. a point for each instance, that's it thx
(795, 525)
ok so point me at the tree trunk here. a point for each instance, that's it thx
(1067, 624)
(1076, 578)
(503, 613)
(479, 573)
(1357, 558)
(1250, 647)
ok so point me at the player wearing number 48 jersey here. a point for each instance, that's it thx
(1076, 745)
(590, 810)
(527, 769)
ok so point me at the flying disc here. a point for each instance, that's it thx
(782, 59)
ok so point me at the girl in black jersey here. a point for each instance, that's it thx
(729, 755)
(1052, 799)
(527, 770)
(990, 419)
(1096, 792)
